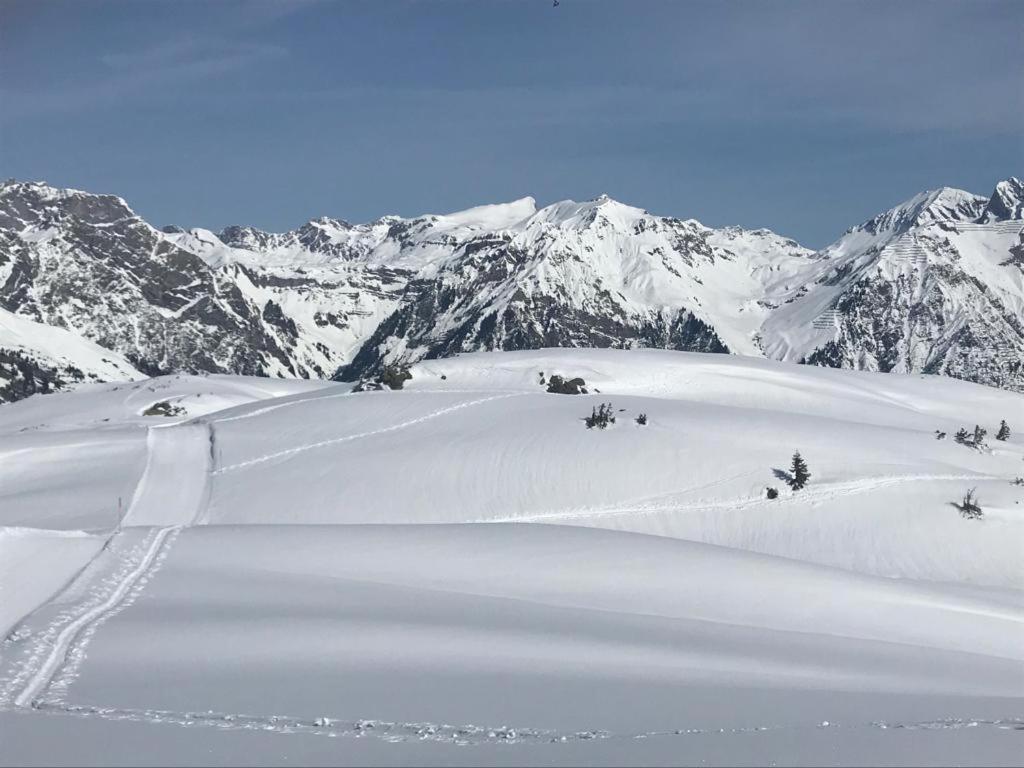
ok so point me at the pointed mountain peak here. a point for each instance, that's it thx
(936, 205)
(1007, 201)
(244, 237)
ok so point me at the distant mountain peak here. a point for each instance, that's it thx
(930, 285)
(946, 204)
(1007, 201)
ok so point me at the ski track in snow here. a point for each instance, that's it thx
(55, 653)
(359, 436)
(815, 493)
(471, 735)
(314, 398)
(51, 657)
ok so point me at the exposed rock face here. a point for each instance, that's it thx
(933, 285)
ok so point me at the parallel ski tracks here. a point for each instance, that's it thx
(48, 656)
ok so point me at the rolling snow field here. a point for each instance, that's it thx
(461, 573)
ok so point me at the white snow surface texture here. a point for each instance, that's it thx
(461, 572)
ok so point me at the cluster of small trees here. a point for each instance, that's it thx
(600, 417)
(603, 415)
(976, 439)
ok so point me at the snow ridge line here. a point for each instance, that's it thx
(814, 494)
(361, 435)
(472, 735)
(79, 629)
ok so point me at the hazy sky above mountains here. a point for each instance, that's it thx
(805, 118)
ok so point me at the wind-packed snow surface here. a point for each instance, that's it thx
(461, 572)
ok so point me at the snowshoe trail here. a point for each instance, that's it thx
(663, 503)
(471, 735)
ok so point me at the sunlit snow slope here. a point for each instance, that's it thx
(465, 570)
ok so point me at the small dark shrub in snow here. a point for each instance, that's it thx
(1004, 431)
(163, 408)
(395, 376)
(940, 435)
(600, 417)
(969, 507)
(798, 474)
(975, 439)
(772, 493)
(560, 386)
(1018, 481)
(642, 419)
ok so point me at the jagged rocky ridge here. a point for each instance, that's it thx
(933, 285)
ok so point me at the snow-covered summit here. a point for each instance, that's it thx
(1007, 201)
(331, 297)
(937, 205)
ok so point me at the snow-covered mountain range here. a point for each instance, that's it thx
(934, 285)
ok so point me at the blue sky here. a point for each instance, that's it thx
(805, 118)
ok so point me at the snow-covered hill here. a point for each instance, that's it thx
(934, 285)
(461, 573)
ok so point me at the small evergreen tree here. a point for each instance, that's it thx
(978, 441)
(1004, 431)
(962, 436)
(642, 419)
(772, 493)
(798, 474)
(939, 435)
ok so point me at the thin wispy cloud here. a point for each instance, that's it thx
(144, 72)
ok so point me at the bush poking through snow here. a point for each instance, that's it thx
(969, 506)
(1004, 431)
(642, 419)
(1018, 481)
(940, 435)
(798, 474)
(771, 493)
(560, 386)
(600, 417)
(164, 408)
(393, 377)
(974, 439)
